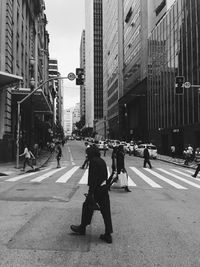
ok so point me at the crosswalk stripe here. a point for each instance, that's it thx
(178, 186)
(145, 178)
(180, 178)
(84, 179)
(46, 175)
(19, 177)
(64, 178)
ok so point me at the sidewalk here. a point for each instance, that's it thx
(177, 161)
(7, 168)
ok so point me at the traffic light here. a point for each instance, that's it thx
(79, 76)
(179, 84)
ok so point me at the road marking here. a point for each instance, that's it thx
(46, 175)
(145, 178)
(64, 178)
(70, 155)
(180, 178)
(178, 186)
(19, 177)
(84, 179)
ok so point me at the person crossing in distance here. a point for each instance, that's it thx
(86, 162)
(146, 158)
(98, 193)
(58, 154)
(120, 160)
(27, 157)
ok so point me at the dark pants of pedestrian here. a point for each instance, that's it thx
(101, 197)
(111, 180)
(27, 161)
(86, 163)
(147, 161)
(197, 170)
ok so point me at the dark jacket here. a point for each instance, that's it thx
(146, 153)
(120, 159)
(97, 173)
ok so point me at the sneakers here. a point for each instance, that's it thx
(107, 238)
(78, 229)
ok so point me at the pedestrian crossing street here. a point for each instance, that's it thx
(137, 177)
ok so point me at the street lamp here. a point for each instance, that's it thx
(19, 111)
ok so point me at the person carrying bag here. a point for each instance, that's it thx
(121, 171)
(97, 197)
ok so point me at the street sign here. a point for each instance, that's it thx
(187, 85)
(71, 76)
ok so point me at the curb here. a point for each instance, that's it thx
(179, 164)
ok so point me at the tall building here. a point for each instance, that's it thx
(57, 92)
(112, 65)
(174, 51)
(68, 121)
(76, 113)
(94, 61)
(156, 10)
(24, 58)
(133, 111)
(82, 87)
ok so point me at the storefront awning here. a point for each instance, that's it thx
(38, 100)
(7, 78)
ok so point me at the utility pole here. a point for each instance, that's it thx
(70, 76)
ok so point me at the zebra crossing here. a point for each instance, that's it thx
(157, 178)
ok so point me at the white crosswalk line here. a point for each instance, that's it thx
(64, 178)
(84, 179)
(130, 182)
(180, 178)
(46, 175)
(145, 178)
(19, 177)
(178, 186)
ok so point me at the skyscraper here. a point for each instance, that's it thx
(94, 61)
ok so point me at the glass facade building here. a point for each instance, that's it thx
(174, 50)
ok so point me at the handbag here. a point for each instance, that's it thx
(91, 203)
(123, 179)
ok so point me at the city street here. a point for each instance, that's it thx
(157, 224)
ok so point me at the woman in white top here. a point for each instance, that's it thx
(27, 156)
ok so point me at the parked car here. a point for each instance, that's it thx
(139, 151)
(102, 145)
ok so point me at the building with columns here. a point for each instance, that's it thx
(23, 67)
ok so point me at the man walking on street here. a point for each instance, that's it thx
(146, 158)
(98, 192)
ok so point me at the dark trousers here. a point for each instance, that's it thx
(147, 161)
(86, 163)
(102, 198)
(27, 161)
(197, 170)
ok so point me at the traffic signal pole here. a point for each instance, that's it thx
(69, 77)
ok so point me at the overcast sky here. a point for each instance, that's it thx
(66, 21)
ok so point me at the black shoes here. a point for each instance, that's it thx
(107, 238)
(78, 229)
(193, 175)
(127, 189)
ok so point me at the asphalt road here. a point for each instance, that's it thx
(157, 224)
